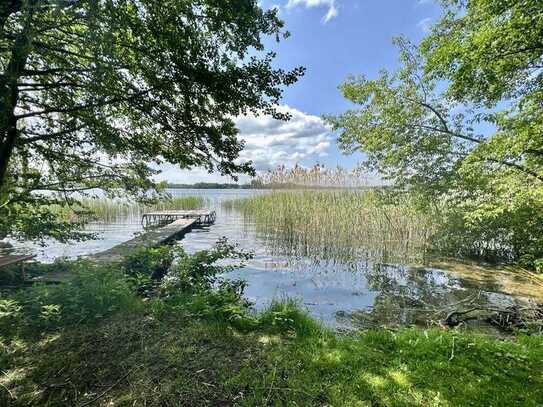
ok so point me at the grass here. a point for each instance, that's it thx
(338, 223)
(111, 210)
(190, 340)
(137, 359)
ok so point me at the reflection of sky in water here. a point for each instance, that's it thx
(323, 287)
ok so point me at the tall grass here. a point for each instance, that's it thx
(111, 210)
(317, 176)
(338, 223)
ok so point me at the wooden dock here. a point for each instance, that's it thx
(154, 237)
(201, 217)
(161, 227)
(171, 225)
(14, 259)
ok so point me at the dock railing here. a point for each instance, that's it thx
(203, 217)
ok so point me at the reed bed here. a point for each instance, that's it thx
(112, 210)
(316, 176)
(338, 223)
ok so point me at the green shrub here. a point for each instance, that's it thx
(146, 266)
(494, 227)
(11, 313)
(200, 272)
(94, 292)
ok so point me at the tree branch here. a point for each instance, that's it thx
(85, 107)
(49, 136)
(517, 166)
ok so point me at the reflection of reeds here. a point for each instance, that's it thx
(111, 210)
(337, 223)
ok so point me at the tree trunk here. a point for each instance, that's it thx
(9, 92)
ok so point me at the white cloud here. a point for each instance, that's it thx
(425, 24)
(269, 143)
(330, 4)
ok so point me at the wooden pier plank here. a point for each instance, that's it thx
(154, 237)
(13, 259)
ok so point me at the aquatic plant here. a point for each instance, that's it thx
(111, 210)
(317, 176)
(338, 223)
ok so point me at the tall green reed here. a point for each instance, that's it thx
(338, 223)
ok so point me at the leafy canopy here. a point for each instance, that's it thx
(98, 93)
(461, 122)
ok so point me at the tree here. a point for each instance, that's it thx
(98, 93)
(461, 124)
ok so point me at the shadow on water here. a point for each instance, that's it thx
(337, 280)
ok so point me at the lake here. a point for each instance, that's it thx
(341, 292)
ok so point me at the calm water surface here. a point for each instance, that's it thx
(339, 292)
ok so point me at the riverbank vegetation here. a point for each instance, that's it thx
(340, 223)
(111, 210)
(114, 335)
(387, 224)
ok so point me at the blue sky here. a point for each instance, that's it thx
(332, 39)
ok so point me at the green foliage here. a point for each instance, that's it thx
(287, 318)
(195, 285)
(153, 262)
(501, 222)
(200, 272)
(488, 50)
(95, 94)
(10, 313)
(459, 125)
(21, 220)
(192, 284)
(93, 293)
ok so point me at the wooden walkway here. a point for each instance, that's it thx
(201, 217)
(150, 238)
(164, 226)
(13, 259)
(175, 224)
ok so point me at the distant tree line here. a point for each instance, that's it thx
(212, 185)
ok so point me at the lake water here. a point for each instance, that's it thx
(339, 292)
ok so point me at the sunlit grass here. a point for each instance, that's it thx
(158, 361)
(323, 223)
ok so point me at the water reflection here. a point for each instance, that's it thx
(358, 288)
(424, 296)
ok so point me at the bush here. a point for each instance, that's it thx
(146, 266)
(494, 227)
(94, 292)
(200, 272)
